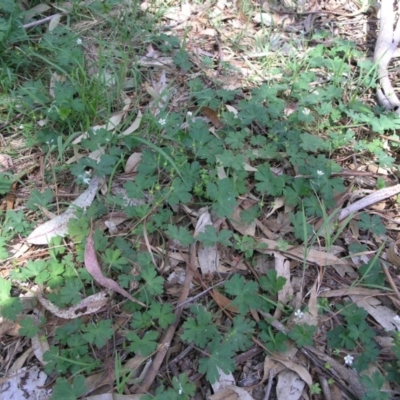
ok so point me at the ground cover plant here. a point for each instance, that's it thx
(198, 202)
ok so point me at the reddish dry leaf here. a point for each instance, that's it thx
(93, 267)
(224, 302)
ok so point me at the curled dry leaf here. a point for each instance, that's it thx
(299, 369)
(393, 254)
(5, 162)
(208, 256)
(54, 22)
(93, 267)
(39, 344)
(134, 126)
(88, 305)
(58, 226)
(133, 162)
(223, 301)
(282, 268)
(290, 386)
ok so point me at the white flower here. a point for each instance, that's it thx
(299, 314)
(320, 173)
(348, 360)
(306, 111)
(21, 126)
(396, 319)
(79, 41)
(189, 113)
(162, 121)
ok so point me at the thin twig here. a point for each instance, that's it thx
(41, 21)
(269, 386)
(169, 334)
(390, 279)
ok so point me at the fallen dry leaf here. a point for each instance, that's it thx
(93, 267)
(313, 256)
(299, 369)
(58, 226)
(290, 386)
(223, 301)
(132, 162)
(231, 393)
(224, 380)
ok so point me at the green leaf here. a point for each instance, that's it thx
(180, 234)
(249, 215)
(371, 273)
(181, 60)
(154, 283)
(246, 293)
(313, 143)
(220, 356)
(302, 230)
(361, 332)
(372, 223)
(184, 389)
(69, 294)
(98, 334)
(239, 336)
(364, 359)
(210, 237)
(114, 258)
(141, 320)
(373, 386)
(143, 346)
(275, 343)
(164, 314)
(352, 313)
(268, 182)
(3, 250)
(135, 189)
(56, 276)
(5, 289)
(303, 334)
(199, 330)
(339, 337)
(28, 327)
(64, 390)
(11, 307)
(224, 197)
(271, 283)
(5, 183)
(180, 193)
(37, 199)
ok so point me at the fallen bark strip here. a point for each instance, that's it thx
(367, 201)
(386, 44)
(169, 334)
